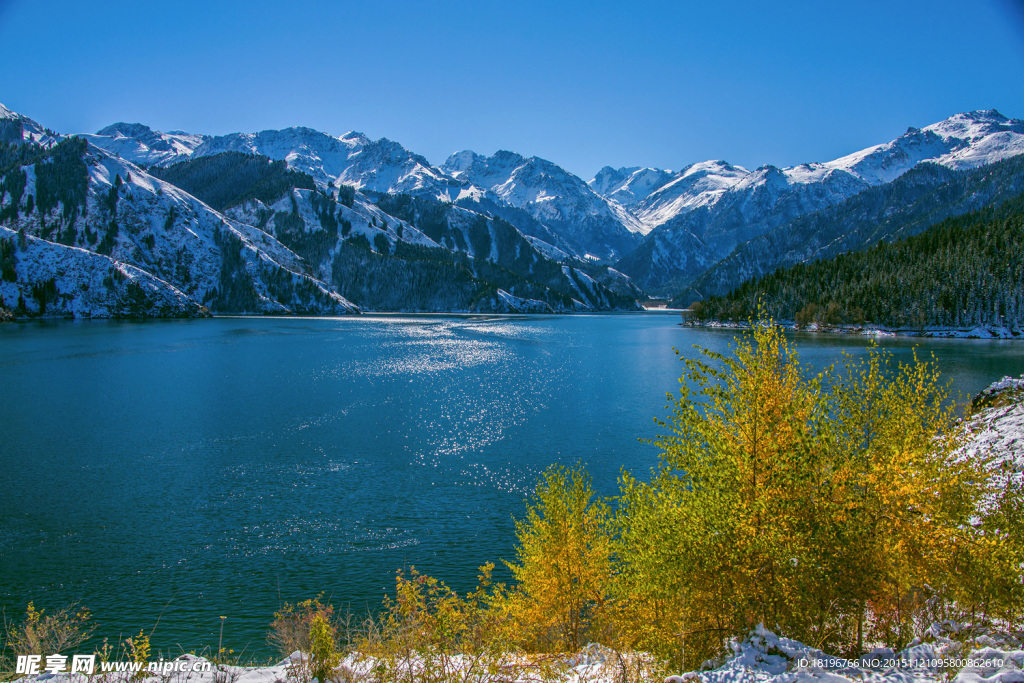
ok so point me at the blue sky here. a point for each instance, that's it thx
(583, 84)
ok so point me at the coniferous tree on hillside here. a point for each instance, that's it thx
(963, 272)
(231, 178)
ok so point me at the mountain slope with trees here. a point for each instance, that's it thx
(907, 206)
(963, 273)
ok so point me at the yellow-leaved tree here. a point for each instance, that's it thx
(830, 507)
(562, 568)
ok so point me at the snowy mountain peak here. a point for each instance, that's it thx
(393, 152)
(460, 162)
(973, 125)
(504, 156)
(722, 205)
(6, 113)
(629, 185)
(608, 179)
(354, 138)
(161, 147)
(557, 199)
(141, 144)
(128, 130)
(605, 216)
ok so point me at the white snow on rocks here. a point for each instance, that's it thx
(998, 427)
(764, 657)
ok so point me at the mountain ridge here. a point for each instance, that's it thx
(285, 246)
(663, 229)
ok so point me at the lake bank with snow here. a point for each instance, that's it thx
(934, 332)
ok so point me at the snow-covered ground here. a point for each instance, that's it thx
(947, 654)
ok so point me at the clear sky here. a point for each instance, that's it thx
(583, 84)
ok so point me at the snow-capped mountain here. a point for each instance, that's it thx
(663, 228)
(17, 128)
(697, 185)
(85, 232)
(144, 146)
(962, 141)
(540, 198)
(353, 159)
(911, 204)
(562, 202)
(724, 205)
(629, 186)
(182, 255)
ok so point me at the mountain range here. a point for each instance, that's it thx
(354, 223)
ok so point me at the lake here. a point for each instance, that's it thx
(183, 470)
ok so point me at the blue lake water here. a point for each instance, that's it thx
(183, 470)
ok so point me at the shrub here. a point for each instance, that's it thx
(309, 628)
(428, 632)
(138, 650)
(323, 653)
(292, 625)
(43, 634)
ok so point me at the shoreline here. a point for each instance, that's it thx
(868, 330)
(347, 316)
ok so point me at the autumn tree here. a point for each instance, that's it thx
(824, 506)
(562, 566)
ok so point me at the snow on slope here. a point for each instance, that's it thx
(559, 200)
(353, 159)
(998, 426)
(548, 191)
(979, 138)
(178, 240)
(365, 218)
(721, 204)
(965, 140)
(16, 128)
(376, 165)
(637, 199)
(697, 185)
(724, 206)
(300, 233)
(629, 186)
(88, 285)
(764, 657)
(194, 226)
(144, 146)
